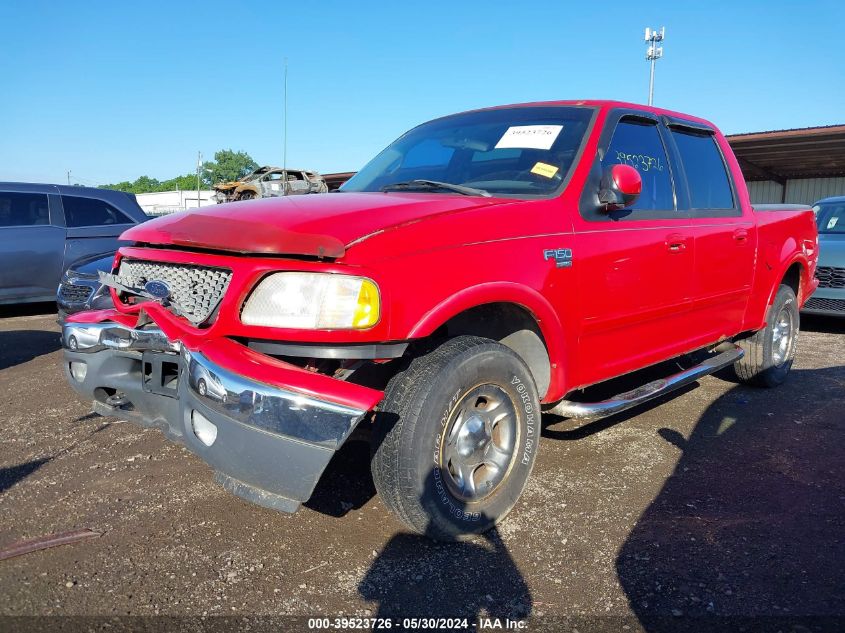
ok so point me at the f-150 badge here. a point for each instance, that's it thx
(562, 256)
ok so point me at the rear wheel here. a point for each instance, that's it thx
(456, 437)
(770, 352)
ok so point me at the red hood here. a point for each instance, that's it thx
(321, 225)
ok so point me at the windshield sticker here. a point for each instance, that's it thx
(832, 222)
(544, 169)
(529, 137)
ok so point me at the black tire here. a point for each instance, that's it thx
(411, 448)
(247, 195)
(767, 364)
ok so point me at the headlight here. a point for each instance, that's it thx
(314, 301)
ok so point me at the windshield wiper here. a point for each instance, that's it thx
(422, 184)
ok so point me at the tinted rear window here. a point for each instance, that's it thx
(91, 212)
(707, 178)
(23, 209)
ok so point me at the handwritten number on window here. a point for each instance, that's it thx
(642, 162)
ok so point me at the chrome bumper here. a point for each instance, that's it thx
(270, 444)
(88, 338)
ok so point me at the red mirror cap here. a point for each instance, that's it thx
(627, 180)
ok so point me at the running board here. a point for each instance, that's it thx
(649, 391)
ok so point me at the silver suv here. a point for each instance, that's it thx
(830, 296)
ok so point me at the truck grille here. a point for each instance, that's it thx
(819, 304)
(73, 293)
(830, 277)
(195, 291)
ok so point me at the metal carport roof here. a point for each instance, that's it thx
(812, 152)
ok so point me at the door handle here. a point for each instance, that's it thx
(676, 243)
(741, 236)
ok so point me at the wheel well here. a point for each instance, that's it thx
(792, 278)
(513, 326)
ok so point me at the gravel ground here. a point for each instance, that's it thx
(724, 500)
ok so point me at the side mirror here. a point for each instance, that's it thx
(621, 185)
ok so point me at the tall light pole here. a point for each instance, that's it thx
(199, 170)
(653, 53)
(285, 150)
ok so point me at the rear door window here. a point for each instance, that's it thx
(23, 209)
(639, 145)
(91, 212)
(707, 177)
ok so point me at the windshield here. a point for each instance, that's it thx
(830, 217)
(524, 151)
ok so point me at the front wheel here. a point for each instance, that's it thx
(770, 352)
(456, 438)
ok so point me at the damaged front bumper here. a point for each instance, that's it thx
(267, 428)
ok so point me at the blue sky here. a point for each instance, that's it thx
(115, 90)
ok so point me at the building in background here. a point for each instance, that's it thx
(333, 181)
(164, 202)
(797, 166)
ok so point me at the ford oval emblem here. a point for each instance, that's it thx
(157, 289)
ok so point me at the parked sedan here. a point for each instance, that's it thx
(80, 288)
(830, 297)
(45, 228)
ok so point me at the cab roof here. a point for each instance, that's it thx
(606, 104)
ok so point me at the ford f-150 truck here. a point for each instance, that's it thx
(483, 269)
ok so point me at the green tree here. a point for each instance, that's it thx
(120, 186)
(145, 184)
(228, 165)
(182, 183)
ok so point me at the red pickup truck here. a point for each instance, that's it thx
(486, 267)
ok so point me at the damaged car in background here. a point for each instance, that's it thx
(269, 182)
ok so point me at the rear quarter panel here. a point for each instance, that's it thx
(785, 237)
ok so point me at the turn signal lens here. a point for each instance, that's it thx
(367, 309)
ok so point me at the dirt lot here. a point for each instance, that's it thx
(724, 500)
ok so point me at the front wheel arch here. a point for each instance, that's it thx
(540, 317)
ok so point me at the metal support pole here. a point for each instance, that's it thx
(651, 84)
(199, 167)
(653, 53)
(285, 150)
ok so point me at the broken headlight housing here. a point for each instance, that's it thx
(313, 301)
